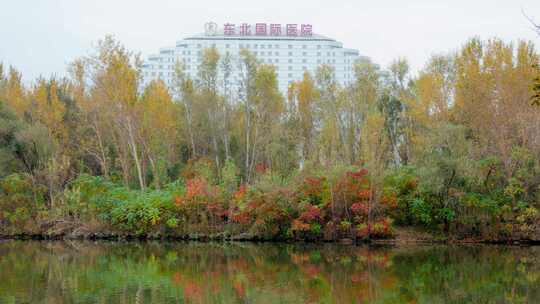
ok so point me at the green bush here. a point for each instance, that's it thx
(22, 203)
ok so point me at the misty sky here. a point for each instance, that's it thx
(39, 37)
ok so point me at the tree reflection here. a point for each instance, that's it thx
(89, 272)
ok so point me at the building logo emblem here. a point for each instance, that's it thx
(210, 28)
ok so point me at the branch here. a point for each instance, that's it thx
(536, 27)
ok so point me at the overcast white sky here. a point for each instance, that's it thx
(39, 37)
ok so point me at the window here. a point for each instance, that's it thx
(290, 46)
(304, 46)
(290, 60)
(241, 45)
(276, 46)
(255, 53)
(247, 45)
(198, 46)
(276, 53)
(304, 53)
(319, 46)
(255, 46)
(304, 60)
(276, 60)
(290, 75)
(226, 45)
(262, 46)
(269, 46)
(290, 68)
(290, 53)
(318, 53)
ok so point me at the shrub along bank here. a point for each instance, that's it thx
(316, 205)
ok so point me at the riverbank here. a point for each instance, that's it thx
(403, 236)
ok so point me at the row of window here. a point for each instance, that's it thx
(161, 59)
(235, 78)
(269, 53)
(189, 67)
(262, 46)
(268, 60)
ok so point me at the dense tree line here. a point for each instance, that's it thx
(454, 148)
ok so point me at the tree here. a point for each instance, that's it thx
(158, 129)
(329, 118)
(268, 107)
(536, 88)
(113, 74)
(184, 91)
(208, 81)
(302, 96)
(14, 93)
(364, 98)
(394, 107)
(10, 146)
(248, 66)
(492, 97)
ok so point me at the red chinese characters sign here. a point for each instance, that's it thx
(273, 29)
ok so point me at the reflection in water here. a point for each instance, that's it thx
(106, 272)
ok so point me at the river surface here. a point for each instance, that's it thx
(192, 272)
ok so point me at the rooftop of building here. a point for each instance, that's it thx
(221, 36)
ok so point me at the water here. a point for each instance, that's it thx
(116, 272)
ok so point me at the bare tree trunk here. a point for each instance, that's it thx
(189, 119)
(102, 159)
(123, 159)
(248, 131)
(134, 153)
(212, 119)
(226, 131)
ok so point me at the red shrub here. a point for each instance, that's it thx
(364, 194)
(178, 201)
(310, 214)
(195, 187)
(312, 186)
(360, 208)
(242, 218)
(389, 201)
(241, 193)
(298, 225)
(261, 168)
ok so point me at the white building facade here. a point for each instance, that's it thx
(290, 48)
